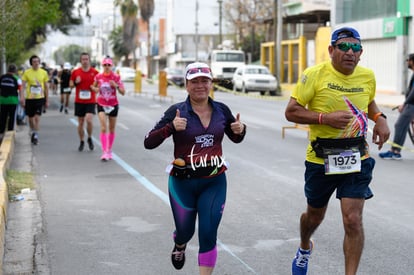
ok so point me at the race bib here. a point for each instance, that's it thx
(343, 161)
(35, 90)
(85, 94)
(67, 89)
(108, 109)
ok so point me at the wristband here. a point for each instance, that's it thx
(377, 115)
(320, 118)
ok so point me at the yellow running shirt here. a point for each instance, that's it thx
(35, 81)
(324, 90)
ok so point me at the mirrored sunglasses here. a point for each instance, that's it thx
(198, 70)
(106, 65)
(345, 46)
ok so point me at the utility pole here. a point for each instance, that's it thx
(220, 2)
(278, 28)
(196, 31)
(3, 42)
(113, 23)
(278, 23)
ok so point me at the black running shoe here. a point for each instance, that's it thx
(90, 144)
(81, 146)
(35, 139)
(178, 257)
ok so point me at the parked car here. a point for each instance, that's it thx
(175, 76)
(249, 78)
(127, 74)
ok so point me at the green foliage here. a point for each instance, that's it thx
(253, 47)
(18, 180)
(39, 15)
(117, 42)
(47, 12)
(128, 8)
(25, 23)
(67, 18)
(70, 53)
(13, 31)
(129, 12)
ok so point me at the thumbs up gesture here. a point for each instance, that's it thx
(237, 127)
(180, 123)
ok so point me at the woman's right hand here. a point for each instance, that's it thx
(180, 123)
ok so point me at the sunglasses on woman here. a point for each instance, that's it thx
(198, 70)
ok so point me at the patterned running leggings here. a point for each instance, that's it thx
(206, 198)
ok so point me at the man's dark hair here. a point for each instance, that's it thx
(411, 57)
(33, 57)
(12, 68)
(82, 54)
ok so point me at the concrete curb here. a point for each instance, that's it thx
(6, 153)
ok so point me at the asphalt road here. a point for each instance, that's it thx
(114, 217)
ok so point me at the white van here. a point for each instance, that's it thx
(223, 63)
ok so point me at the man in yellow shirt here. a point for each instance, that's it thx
(336, 99)
(36, 92)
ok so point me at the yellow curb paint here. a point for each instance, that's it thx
(6, 153)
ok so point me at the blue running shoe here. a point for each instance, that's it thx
(300, 262)
(390, 155)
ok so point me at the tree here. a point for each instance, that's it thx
(25, 24)
(69, 53)
(40, 14)
(250, 45)
(147, 10)
(246, 16)
(55, 15)
(10, 43)
(117, 42)
(129, 11)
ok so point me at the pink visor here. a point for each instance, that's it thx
(107, 60)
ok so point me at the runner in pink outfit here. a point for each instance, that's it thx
(107, 84)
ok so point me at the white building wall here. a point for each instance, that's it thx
(379, 56)
(385, 56)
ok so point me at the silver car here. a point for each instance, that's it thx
(254, 78)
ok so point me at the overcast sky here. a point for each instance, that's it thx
(102, 9)
(185, 16)
(99, 10)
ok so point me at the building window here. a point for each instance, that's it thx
(356, 10)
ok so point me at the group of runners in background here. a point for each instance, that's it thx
(94, 92)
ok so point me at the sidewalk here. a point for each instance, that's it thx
(24, 222)
(389, 100)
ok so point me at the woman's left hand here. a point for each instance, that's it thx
(113, 84)
(237, 127)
